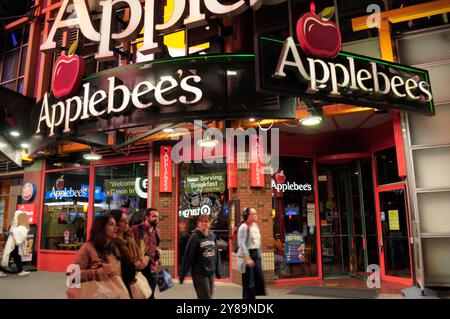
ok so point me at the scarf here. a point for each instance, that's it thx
(128, 247)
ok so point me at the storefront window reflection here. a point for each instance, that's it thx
(294, 219)
(121, 187)
(65, 210)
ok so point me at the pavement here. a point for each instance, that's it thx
(52, 285)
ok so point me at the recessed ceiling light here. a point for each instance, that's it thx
(168, 130)
(24, 145)
(92, 156)
(14, 133)
(208, 142)
(252, 119)
(231, 73)
(311, 120)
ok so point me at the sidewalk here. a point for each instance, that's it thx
(51, 285)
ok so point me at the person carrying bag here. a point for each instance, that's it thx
(100, 267)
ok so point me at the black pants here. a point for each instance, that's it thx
(204, 285)
(152, 278)
(253, 278)
(17, 259)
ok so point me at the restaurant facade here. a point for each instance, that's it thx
(208, 107)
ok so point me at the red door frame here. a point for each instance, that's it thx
(60, 257)
(377, 190)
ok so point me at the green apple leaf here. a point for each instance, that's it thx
(327, 13)
(73, 47)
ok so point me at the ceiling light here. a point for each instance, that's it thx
(24, 145)
(207, 27)
(92, 156)
(231, 73)
(14, 133)
(252, 119)
(208, 142)
(168, 130)
(311, 120)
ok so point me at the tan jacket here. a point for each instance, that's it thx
(90, 263)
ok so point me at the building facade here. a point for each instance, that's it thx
(367, 189)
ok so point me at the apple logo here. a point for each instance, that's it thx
(318, 36)
(67, 73)
(60, 183)
(280, 178)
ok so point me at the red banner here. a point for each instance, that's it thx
(30, 210)
(231, 168)
(256, 162)
(165, 169)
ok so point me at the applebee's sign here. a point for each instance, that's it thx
(315, 69)
(193, 12)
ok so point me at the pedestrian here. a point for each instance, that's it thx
(202, 257)
(131, 255)
(16, 245)
(148, 233)
(99, 262)
(249, 243)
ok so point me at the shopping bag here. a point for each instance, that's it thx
(164, 280)
(111, 288)
(140, 289)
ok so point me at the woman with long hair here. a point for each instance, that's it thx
(131, 255)
(98, 258)
(17, 244)
(202, 258)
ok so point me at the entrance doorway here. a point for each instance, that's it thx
(347, 218)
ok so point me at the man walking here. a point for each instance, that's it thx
(147, 235)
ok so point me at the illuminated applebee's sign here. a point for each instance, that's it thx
(103, 103)
(191, 10)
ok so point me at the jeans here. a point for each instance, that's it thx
(204, 285)
(253, 278)
(152, 278)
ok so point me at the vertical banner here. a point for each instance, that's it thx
(231, 167)
(165, 169)
(256, 161)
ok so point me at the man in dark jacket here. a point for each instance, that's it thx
(202, 258)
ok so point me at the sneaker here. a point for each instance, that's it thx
(2, 274)
(24, 273)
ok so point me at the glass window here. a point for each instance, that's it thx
(387, 170)
(121, 187)
(10, 66)
(294, 215)
(195, 199)
(65, 210)
(23, 61)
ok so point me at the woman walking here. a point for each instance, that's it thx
(202, 258)
(249, 243)
(131, 255)
(99, 262)
(16, 245)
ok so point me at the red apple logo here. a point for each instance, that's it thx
(318, 36)
(67, 75)
(280, 178)
(60, 183)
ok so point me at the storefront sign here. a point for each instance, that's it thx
(205, 183)
(65, 192)
(28, 192)
(30, 210)
(67, 75)
(311, 210)
(294, 248)
(186, 213)
(349, 78)
(156, 92)
(127, 187)
(256, 162)
(193, 13)
(165, 169)
(280, 185)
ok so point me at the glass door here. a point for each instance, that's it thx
(395, 244)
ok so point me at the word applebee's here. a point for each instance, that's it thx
(139, 18)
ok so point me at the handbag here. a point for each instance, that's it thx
(111, 288)
(140, 289)
(164, 280)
